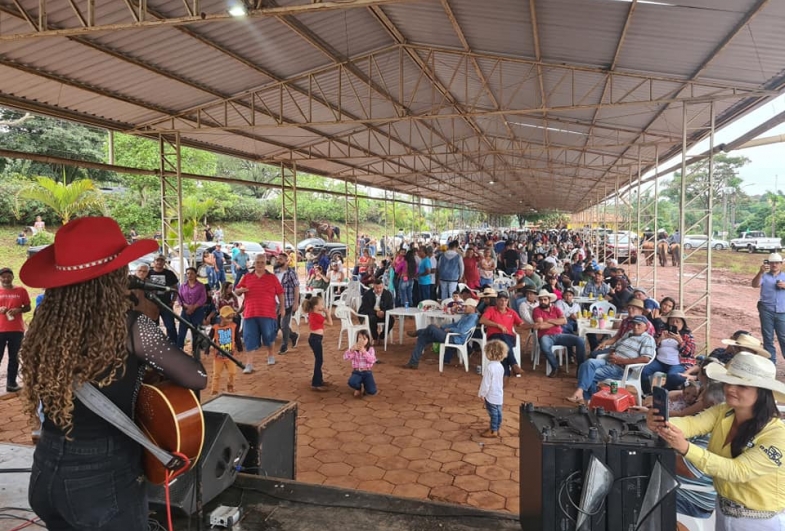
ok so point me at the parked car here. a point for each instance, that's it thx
(333, 248)
(273, 249)
(756, 241)
(448, 234)
(201, 270)
(251, 249)
(698, 241)
(620, 247)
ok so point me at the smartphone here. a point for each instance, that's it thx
(766, 262)
(673, 329)
(660, 401)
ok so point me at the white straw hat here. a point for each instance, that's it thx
(748, 343)
(750, 370)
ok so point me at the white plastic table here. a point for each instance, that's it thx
(401, 313)
(584, 328)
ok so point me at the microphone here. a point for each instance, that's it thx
(135, 282)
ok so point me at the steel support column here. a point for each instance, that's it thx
(169, 157)
(352, 222)
(289, 208)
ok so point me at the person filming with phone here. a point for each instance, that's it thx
(675, 353)
(771, 305)
(745, 450)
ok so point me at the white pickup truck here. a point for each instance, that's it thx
(756, 241)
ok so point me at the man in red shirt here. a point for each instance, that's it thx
(500, 322)
(548, 320)
(14, 301)
(264, 302)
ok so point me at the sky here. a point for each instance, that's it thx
(767, 162)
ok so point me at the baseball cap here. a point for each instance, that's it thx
(5, 270)
(639, 319)
(503, 295)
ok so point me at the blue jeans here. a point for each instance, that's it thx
(770, 322)
(363, 379)
(405, 291)
(593, 371)
(239, 273)
(425, 292)
(258, 331)
(495, 412)
(220, 276)
(571, 327)
(447, 287)
(285, 325)
(195, 319)
(674, 381)
(686, 507)
(426, 336)
(94, 484)
(564, 340)
(315, 342)
(486, 282)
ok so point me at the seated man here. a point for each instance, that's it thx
(636, 346)
(571, 311)
(438, 334)
(375, 304)
(500, 322)
(596, 287)
(548, 320)
(634, 309)
(526, 305)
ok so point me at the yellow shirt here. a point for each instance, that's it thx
(756, 478)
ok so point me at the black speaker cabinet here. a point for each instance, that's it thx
(224, 449)
(269, 426)
(632, 453)
(556, 446)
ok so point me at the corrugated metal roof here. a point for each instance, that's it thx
(402, 132)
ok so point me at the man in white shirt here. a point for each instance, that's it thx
(571, 310)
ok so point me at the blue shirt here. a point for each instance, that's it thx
(772, 298)
(462, 327)
(219, 258)
(423, 272)
(241, 260)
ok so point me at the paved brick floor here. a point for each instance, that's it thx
(418, 438)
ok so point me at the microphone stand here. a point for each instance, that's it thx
(199, 339)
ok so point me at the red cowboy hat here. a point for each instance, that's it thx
(84, 249)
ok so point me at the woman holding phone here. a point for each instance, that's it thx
(745, 450)
(675, 353)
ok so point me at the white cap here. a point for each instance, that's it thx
(775, 257)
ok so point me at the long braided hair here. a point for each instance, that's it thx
(78, 335)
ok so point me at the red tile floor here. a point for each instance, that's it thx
(418, 438)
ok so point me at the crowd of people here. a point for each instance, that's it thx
(722, 407)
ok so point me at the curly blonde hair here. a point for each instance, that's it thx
(496, 350)
(78, 335)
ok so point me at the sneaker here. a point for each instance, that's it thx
(295, 339)
(248, 368)
(270, 360)
(13, 388)
(282, 352)
(411, 366)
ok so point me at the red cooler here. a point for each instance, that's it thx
(620, 401)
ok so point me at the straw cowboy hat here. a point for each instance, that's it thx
(639, 304)
(678, 314)
(84, 249)
(748, 343)
(751, 370)
(546, 293)
(489, 292)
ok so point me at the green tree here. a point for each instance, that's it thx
(726, 181)
(66, 200)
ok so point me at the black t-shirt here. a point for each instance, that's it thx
(147, 347)
(164, 278)
(510, 258)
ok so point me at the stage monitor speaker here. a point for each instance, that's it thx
(224, 449)
(643, 497)
(269, 426)
(560, 451)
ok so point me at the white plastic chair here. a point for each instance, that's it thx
(463, 351)
(631, 377)
(516, 351)
(462, 286)
(603, 306)
(562, 358)
(429, 304)
(346, 314)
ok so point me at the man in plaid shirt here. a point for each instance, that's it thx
(291, 291)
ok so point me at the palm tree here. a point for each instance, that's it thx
(66, 200)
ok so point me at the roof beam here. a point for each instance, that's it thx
(139, 21)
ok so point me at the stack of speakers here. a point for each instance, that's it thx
(593, 471)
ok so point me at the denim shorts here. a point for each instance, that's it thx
(94, 484)
(258, 331)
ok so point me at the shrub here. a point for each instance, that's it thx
(41, 238)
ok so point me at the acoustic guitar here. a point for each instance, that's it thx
(172, 418)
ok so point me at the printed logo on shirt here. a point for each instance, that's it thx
(773, 453)
(225, 338)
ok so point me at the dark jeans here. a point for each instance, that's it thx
(88, 485)
(195, 319)
(374, 322)
(14, 342)
(171, 329)
(425, 292)
(674, 381)
(360, 379)
(285, 325)
(426, 336)
(315, 341)
(509, 340)
(239, 272)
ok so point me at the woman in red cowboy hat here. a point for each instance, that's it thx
(85, 472)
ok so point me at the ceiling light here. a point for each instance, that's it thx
(554, 129)
(491, 182)
(238, 10)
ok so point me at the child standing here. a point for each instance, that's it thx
(492, 385)
(314, 307)
(226, 335)
(362, 356)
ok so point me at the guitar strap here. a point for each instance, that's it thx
(99, 404)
